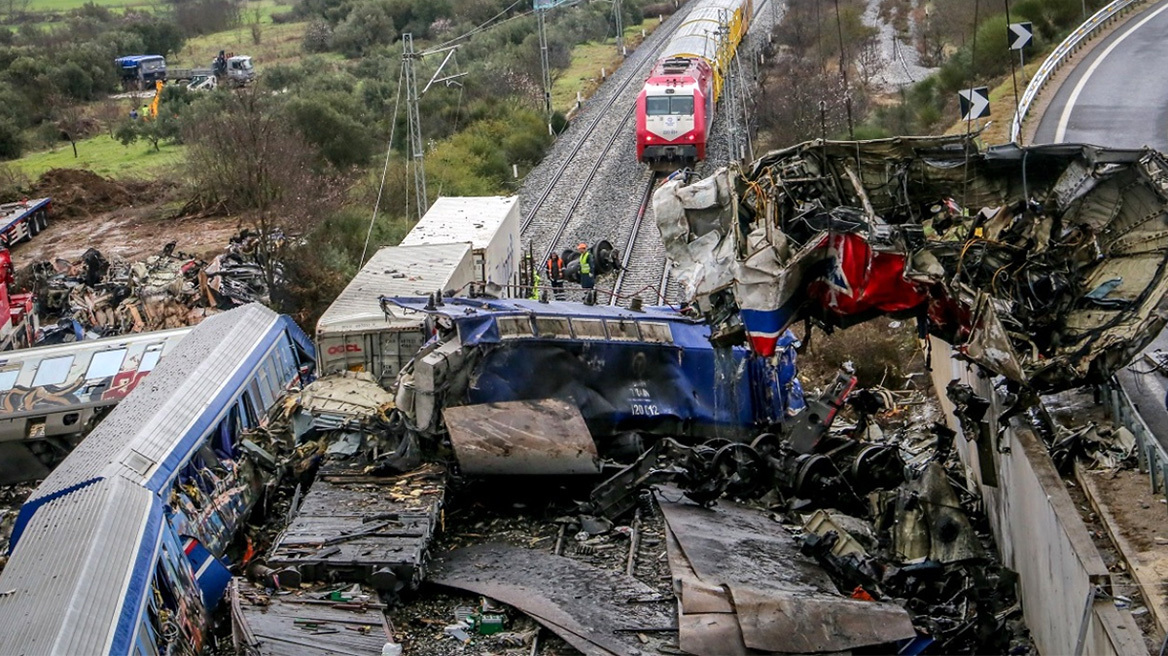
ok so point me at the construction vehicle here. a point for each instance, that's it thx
(140, 72)
(229, 69)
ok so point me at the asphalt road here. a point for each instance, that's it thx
(1117, 95)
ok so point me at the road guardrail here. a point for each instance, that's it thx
(1074, 41)
(1153, 460)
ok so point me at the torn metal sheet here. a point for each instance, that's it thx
(1044, 264)
(587, 606)
(547, 436)
(784, 601)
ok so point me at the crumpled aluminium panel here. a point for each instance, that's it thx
(1044, 264)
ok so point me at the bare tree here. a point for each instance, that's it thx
(245, 160)
(68, 118)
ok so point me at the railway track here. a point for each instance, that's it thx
(649, 276)
(586, 190)
(591, 183)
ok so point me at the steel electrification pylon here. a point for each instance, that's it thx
(544, 66)
(417, 147)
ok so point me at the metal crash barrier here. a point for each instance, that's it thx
(1153, 459)
(1062, 53)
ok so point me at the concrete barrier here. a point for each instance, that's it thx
(1064, 584)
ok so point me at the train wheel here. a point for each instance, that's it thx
(34, 225)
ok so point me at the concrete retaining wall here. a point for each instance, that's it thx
(1065, 586)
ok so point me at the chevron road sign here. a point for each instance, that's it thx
(975, 103)
(1021, 34)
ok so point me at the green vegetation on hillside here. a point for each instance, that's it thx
(301, 149)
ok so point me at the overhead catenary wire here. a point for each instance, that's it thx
(489, 23)
(385, 168)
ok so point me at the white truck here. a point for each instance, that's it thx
(489, 223)
(355, 334)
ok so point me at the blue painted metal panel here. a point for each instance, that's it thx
(684, 386)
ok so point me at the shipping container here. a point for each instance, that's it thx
(489, 223)
(355, 334)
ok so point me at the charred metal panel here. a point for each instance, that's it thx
(522, 437)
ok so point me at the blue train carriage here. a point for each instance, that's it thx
(121, 549)
(652, 371)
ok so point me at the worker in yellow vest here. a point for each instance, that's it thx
(586, 279)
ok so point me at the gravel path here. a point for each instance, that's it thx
(900, 64)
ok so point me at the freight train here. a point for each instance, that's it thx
(675, 109)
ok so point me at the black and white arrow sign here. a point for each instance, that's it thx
(1021, 34)
(975, 103)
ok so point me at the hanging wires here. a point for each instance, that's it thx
(385, 168)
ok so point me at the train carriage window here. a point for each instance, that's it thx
(53, 371)
(265, 387)
(150, 357)
(250, 418)
(8, 379)
(283, 357)
(105, 364)
(681, 105)
(656, 105)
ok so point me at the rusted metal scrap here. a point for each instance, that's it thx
(167, 290)
(1044, 264)
(544, 437)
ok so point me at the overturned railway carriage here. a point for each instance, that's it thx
(120, 550)
(51, 396)
(675, 109)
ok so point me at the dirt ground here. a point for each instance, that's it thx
(1142, 515)
(129, 220)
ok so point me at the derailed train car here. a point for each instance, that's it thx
(1044, 264)
(120, 550)
(650, 371)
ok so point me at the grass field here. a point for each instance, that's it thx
(104, 156)
(278, 44)
(583, 75)
(53, 6)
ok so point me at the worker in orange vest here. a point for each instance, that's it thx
(555, 274)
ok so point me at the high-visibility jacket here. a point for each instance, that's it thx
(555, 267)
(586, 263)
(535, 289)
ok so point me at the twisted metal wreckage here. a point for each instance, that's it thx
(1042, 264)
(797, 536)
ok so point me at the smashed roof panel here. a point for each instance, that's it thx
(1044, 264)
